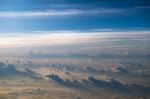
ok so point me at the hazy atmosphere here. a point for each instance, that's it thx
(74, 49)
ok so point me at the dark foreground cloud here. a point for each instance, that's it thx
(116, 85)
(67, 83)
(10, 72)
(110, 85)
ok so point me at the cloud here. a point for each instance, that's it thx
(10, 71)
(67, 83)
(116, 85)
(59, 12)
(67, 37)
(112, 84)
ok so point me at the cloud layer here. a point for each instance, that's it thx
(68, 37)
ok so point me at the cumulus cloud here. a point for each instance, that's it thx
(112, 84)
(116, 85)
(67, 83)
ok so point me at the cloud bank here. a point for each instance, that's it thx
(70, 37)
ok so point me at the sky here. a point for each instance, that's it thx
(37, 22)
(17, 16)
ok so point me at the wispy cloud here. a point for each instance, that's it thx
(59, 12)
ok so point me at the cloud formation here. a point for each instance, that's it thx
(50, 12)
(68, 37)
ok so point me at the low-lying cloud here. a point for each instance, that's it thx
(71, 37)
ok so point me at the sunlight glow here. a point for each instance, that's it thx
(54, 38)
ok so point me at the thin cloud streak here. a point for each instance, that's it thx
(59, 12)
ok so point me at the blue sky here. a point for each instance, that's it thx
(73, 15)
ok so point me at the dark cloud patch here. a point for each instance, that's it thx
(116, 85)
(87, 84)
(2, 64)
(122, 70)
(10, 72)
(67, 83)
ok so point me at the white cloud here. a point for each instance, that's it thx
(66, 37)
(59, 12)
